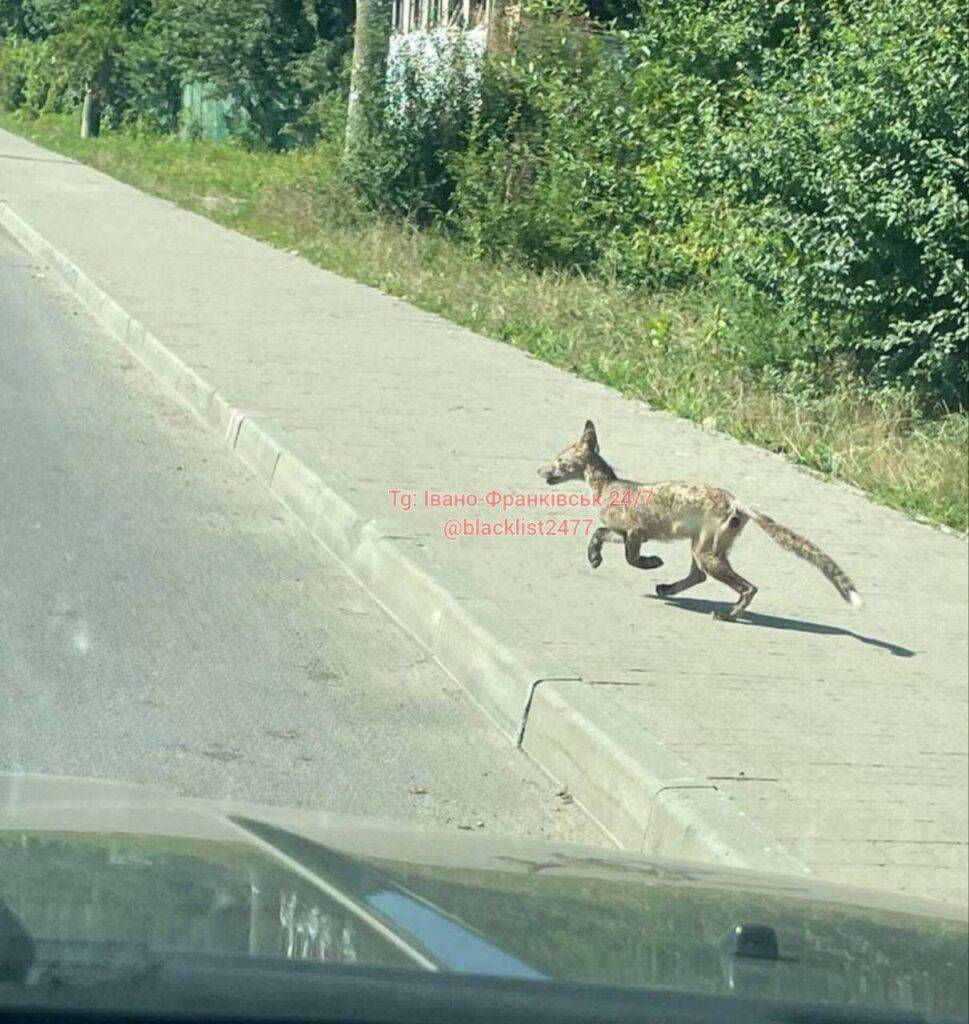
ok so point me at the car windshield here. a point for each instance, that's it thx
(484, 491)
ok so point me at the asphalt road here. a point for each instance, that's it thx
(163, 620)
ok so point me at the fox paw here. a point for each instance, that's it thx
(723, 617)
(662, 589)
(650, 562)
(595, 558)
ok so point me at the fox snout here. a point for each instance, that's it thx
(551, 475)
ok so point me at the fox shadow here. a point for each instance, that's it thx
(703, 607)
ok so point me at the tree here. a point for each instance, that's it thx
(368, 76)
(88, 41)
(246, 52)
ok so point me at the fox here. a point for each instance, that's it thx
(709, 517)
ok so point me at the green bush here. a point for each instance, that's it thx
(13, 72)
(804, 158)
(323, 80)
(814, 153)
(849, 171)
(151, 89)
(30, 78)
(579, 159)
(405, 166)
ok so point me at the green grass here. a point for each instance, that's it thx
(695, 353)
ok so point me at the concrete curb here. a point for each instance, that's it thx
(645, 798)
(648, 798)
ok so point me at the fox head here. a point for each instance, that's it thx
(570, 464)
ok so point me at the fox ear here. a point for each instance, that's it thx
(589, 434)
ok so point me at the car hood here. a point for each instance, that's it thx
(102, 861)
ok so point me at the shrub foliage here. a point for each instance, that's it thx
(806, 155)
(813, 156)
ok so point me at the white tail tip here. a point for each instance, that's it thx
(855, 598)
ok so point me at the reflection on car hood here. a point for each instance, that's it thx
(103, 861)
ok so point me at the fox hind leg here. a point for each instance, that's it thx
(720, 569)
(695, 576)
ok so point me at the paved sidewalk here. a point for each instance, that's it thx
(807, 737)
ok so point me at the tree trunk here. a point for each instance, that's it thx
(91, 115)
(368, 73)
(496, 25)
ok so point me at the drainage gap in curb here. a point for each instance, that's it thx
(520, 738)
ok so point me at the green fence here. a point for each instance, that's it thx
(202, 115)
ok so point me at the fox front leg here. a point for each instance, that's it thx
(604, 533)
(633, 545)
